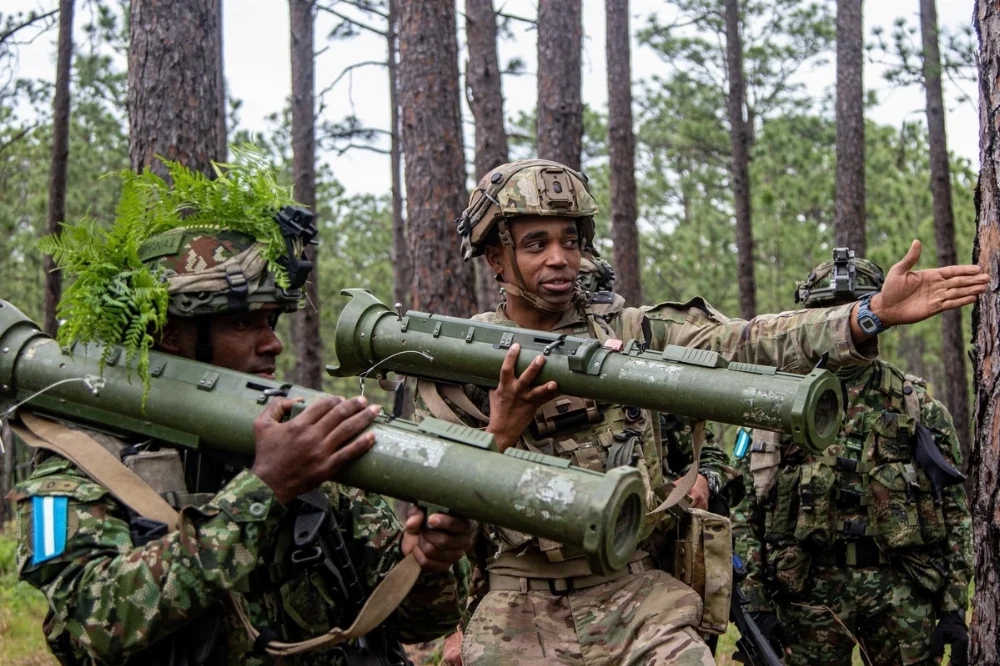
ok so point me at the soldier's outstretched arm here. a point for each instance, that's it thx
(795, 341)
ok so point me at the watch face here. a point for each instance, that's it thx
(867, 324)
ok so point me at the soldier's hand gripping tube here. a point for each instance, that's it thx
(687, 382)
(440, 465)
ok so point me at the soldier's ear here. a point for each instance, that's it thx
(178, 337)
(493, 258)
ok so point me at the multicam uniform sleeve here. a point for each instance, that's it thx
(437, 602)
(110, 599)
(748, 530)
(791, 341)
(958, 521)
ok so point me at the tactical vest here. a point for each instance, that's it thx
(866, 488)
(600, 436)
(588, 433)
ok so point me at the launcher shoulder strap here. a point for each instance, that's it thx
(97, 463)
(100, 465)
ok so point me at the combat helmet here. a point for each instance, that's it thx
(214, 270)
(526, 187)
(842, 279)
(189, 247)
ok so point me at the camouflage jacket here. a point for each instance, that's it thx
(794, 341)
(865, 486)
(110, 600)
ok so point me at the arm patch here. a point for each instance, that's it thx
(49, 523)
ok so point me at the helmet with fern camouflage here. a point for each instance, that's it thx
(843, 279)
(192, 246)
(210, 270)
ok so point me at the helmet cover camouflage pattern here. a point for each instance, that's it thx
(843, 279)
(595, 275)
(213, 271)
(526, 187)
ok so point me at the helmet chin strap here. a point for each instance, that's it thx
(519, 289)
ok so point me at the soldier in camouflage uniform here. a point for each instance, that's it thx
(533, 220)
(858, 541)
(123, 590)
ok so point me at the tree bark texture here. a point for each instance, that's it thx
(435, 160)
(176, 91)
(402, 267)
(305, 323)
(560, 107)
(621, 149)
(60, 159)
(984, 463)
(485, 93)
(956, 393)
(739, 139)
(850, 200)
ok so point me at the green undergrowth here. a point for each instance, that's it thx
(22, 609)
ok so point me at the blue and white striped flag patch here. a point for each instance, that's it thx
(49, 517)
(743, 441)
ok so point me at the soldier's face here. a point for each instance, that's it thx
(547, 251)
(245, 341)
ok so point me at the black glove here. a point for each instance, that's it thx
(951, 629)
(770, 627)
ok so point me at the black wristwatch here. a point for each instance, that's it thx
(867, 319)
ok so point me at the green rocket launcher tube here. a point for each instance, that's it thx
(440, 465)
(687, 382)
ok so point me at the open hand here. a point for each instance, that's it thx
(910, 296)
(514, 401)
(439, 541)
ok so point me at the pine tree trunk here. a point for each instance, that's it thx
(176, 90)
(621, 151)
(956, 393)
(305, 323)
(60, 159)
(486, 101)
(984, 463)
(402, 268)
(739, 140)
(435, 159)
(850, 201)
(560, 107)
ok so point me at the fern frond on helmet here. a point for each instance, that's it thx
(122, 288)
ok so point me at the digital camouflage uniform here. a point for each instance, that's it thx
(797, 556)
(112, 600)
(855, 536)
